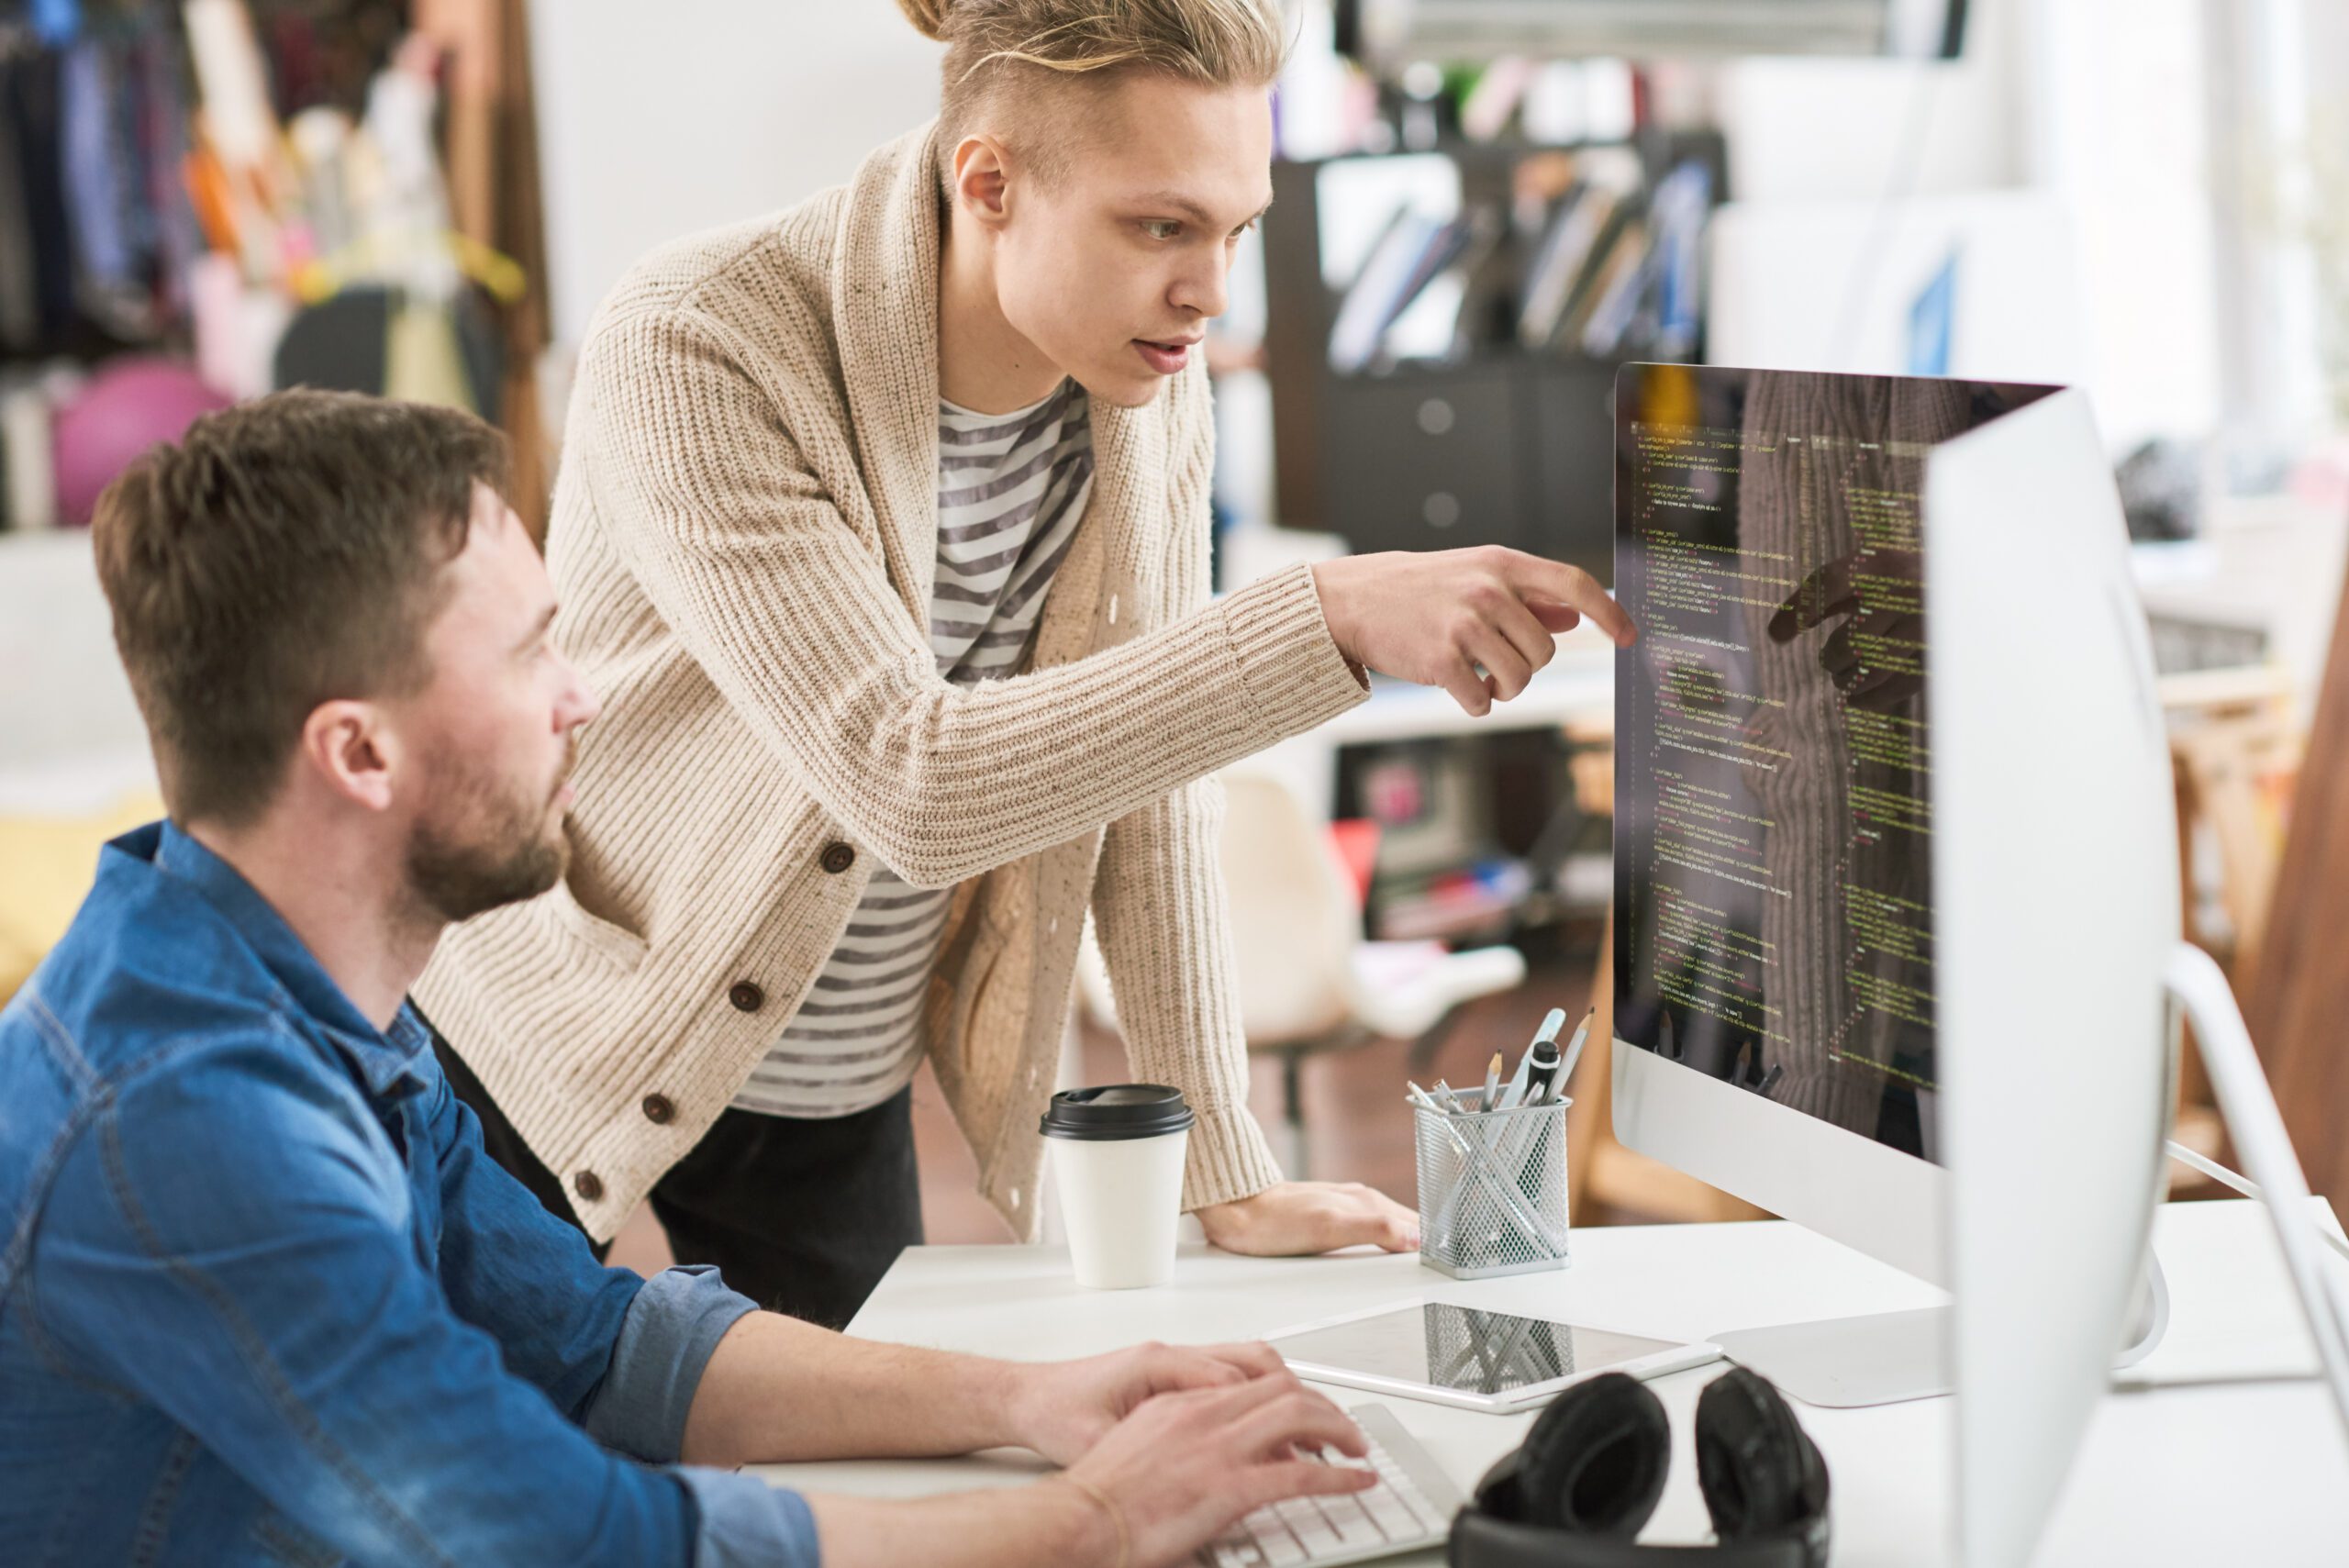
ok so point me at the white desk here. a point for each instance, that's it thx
(2214, 1477)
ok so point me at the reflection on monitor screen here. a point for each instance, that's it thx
(1773, 819)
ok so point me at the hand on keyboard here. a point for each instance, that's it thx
(1408, 1505)
(1184, 1467)
(1062, 1408)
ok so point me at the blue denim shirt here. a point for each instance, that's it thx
(263, 1298)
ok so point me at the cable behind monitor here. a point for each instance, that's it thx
(2256, 1127)
(2242, 1184)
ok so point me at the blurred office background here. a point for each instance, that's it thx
(1484, 207)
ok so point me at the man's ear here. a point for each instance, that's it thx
(982, 180)
(348, 748)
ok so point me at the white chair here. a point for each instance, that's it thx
(1308, 979)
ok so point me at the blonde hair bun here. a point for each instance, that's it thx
(1006, 54)
(927, 15)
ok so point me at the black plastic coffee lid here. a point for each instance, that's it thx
(1116, 1111)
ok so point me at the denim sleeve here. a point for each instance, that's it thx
(672, 1325)
(619, 1355)
(255, 1210)
(745, 1523)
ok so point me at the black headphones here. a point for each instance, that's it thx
(1577, 1494)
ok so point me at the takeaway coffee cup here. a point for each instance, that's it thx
(1117, 1155)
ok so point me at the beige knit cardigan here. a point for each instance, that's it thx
(743, 539)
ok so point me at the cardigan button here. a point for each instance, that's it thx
(588, 1186)
(746, 996)
(658, 1110)
(838, 858)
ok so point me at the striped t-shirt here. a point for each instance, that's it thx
(1011, 489)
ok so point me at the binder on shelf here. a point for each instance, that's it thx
(1409, 299)
(1624, 233)
(1391, 274)
(1575, 237)
(1650, 302)
(1435, 324)
(1677, 214)
(1489, 270)
(1623, 283)
(1557, 261)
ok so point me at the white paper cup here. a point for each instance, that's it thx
(1118, 1157)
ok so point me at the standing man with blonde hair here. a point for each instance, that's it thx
(883, 535)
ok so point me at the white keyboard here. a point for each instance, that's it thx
(1411, 1507)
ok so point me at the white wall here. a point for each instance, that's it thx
(1828, 285)
(657, 120)
(2065, 157)
(70, 739)
(2120, 90)
(1837, 130)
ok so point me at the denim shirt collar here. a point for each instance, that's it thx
(386, 1061)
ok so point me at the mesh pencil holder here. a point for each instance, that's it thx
(1492, 1189)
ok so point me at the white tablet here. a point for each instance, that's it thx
(1467, 1356)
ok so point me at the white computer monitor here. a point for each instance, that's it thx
(1896, 875)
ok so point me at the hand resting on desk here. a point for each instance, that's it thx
(1293, 1219)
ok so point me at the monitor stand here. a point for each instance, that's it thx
(1889, 1357)
(1843, 1363)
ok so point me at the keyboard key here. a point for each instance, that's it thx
(1313, 1533)
(1280, 1548)
(1391, 1515)
(1353, 1527)
(1302, 1531)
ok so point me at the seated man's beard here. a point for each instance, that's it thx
(486, 848)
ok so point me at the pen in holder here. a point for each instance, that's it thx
(1492, 1188)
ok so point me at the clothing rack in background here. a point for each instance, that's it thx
(202, 200)
(491, 154)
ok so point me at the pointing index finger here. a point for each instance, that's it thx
(1532, 576)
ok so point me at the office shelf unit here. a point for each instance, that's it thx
(1500, 444)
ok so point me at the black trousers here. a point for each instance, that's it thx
(802, 1217)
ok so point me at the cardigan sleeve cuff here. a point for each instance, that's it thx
(1295, 675)
(1228, 1159)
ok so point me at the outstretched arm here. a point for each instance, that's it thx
(749, 558)
(1165, 1446)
